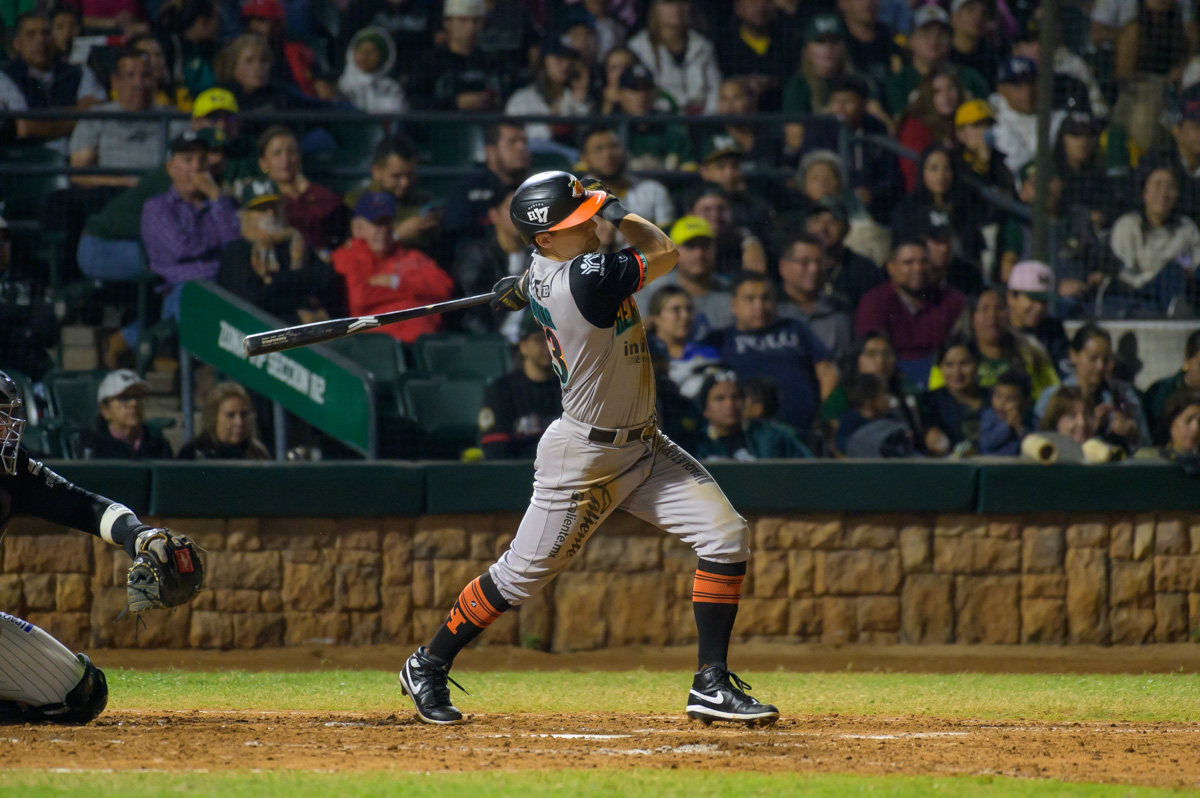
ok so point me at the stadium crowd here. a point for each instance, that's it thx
(856, 282)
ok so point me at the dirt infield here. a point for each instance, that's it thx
(1145, 754)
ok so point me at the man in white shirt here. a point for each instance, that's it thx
(1015, 104)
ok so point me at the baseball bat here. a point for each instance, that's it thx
(321, 331)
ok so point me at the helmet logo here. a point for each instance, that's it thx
(538, 215)
(576, 189)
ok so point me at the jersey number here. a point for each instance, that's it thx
(556, 355)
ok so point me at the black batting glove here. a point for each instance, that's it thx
(612, 211)
(511, 293)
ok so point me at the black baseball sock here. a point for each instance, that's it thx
(478, 605)
(715, 596)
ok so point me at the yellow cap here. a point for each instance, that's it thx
(973, 112)
(689, 227)
(214, 100)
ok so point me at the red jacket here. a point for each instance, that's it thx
(420, 282)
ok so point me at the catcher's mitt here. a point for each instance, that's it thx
(166, 572)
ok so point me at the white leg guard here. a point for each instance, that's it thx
(35, 669)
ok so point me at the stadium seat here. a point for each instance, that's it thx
(379, 354)
(29, 402)
(73, 394)
(447, 410)
(458, 355)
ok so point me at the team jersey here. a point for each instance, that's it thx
(594, 330)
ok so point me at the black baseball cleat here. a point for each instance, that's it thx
(427, 682)
(718, 694)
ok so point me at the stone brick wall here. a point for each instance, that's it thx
(833, 579)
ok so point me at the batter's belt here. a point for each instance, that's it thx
(615, 437)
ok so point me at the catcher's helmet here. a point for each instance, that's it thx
(552, 201)
(11, 424)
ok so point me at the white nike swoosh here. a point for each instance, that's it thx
(718, 699)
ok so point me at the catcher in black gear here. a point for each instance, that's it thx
(41, 680)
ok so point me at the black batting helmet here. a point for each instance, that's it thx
(11, 424)
(552, 201)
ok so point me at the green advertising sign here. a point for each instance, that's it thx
(321, 387)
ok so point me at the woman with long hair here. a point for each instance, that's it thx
(683, 61)
(556, 90)
(229, 428)
(874, 355)
(316, 211)
(951, 413)
(244, 67)
(929, 119)
(616, 62)
(822, 60)
(1178, 432)
(938, 190)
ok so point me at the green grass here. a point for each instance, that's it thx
(1163, 697)
(569, 783)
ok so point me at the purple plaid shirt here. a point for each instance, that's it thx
(184, 241)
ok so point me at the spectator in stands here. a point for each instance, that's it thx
(229, 428)
(382, 275)
(367, 80)
(119, 431)
(870, 44)
(579, 34)
(1109, 18)
(66, 23)
(1008, 418)
(1155, 41)
(1030, 292)
(1091, 199)
(185, 229)
(752, 46)
(950, 414)
(484, 260)
(457, 74)
(314, 210)
(737, 248)
(394, 170)
(603, 156)
(803, 284)
(916, 315)
(928, 120)
(683, 61)
(507, 159)
(721, 165)
(1069, 413)
(929, 50)
(823, 59)
(969, 44)
(1014, 239)
(947, 269)
(866, 429)
(609, 30)
(128, 16)
(244, 67)
(166, 93)
(760, 399)
(1158, 247)
(873, 354)
(28, 325)
(412, 25)
(293, 63)
(120, 143)
(190, 34)
(615, 64)
(729, 435)
(1116, 407)
(519, 406)
(695, 274)
(1185, 381)
(760, 144)
(850, 275)
(555, 91)
(652, 145)
(1075, 86)
(820, 176)
(673, 314)
(982, 163)
(1179, 430)
(761, 344)
(35, 79)
(1185, 135)
(940, 195)
(1015, 107)
(271, 266)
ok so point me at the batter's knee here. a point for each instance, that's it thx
(728, 542)
(85, 701)
(517, 583)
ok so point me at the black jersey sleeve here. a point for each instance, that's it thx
(600, 283)
(38, 491)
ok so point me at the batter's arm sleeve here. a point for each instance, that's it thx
(41, 492)
(600, 283)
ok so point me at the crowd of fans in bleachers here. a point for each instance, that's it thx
(833, 295)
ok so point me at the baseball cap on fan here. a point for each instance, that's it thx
(1016, 69)
(258, 193)
(689, 228)
(375, 205)
(119, 383)
(1034, 279)
(464, 8)
(213, 100)
(264, 9)
(636, 77)
(931, 15)
(825, 28)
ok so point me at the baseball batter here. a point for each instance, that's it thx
(604, 452)
(40, 679)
